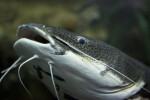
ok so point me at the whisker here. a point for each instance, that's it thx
(146, 90)
(34, 57)
(14, 65)
(51, 72)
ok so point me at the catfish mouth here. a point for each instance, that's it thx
(41, 36)
(32, 33)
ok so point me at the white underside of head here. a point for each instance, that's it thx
(83, 80)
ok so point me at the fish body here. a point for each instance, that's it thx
(83, 68)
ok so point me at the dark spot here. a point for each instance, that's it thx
(27, 26)
(38, 70)
(58, 78)
(20, 27)
(68, 97)
(104, 72)
(57, 87)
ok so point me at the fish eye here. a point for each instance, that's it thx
(81, 40)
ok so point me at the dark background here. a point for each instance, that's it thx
(125, 24)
